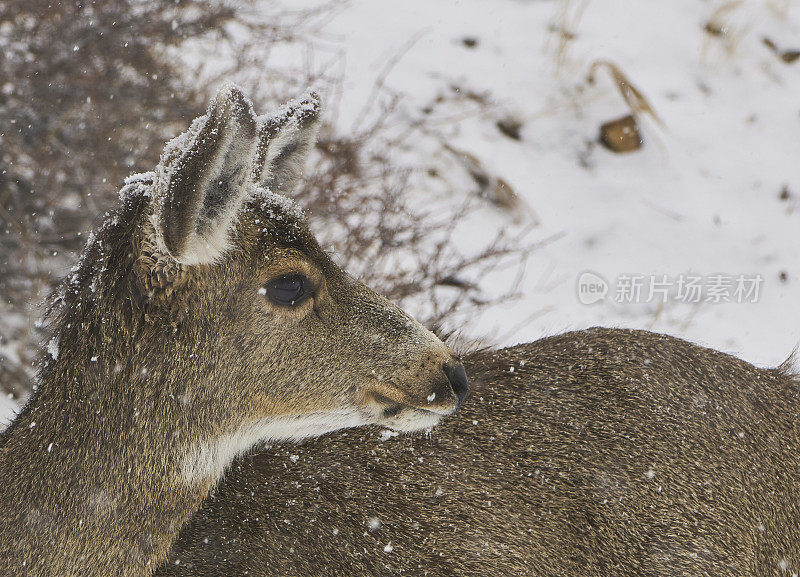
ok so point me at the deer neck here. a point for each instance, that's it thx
(90, 471)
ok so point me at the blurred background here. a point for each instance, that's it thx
(504, 170)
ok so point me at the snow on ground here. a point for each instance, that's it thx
(701, 198)
(8, 409)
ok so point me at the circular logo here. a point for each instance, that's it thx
(591, 288)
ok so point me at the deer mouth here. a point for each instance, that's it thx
(408, 418)
(392, 407)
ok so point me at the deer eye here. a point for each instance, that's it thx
(287, 290)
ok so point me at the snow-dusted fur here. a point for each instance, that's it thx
(603, 453)
(202, 179)
(170, 357)
(284, 139)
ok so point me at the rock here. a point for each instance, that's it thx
(715, 29)
(510, 126)
(790, 56)
(621, 135)
(504, 196)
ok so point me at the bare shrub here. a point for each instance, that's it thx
(86, 93)
(408, 253)
(89, 92)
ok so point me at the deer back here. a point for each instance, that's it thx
(599, 452)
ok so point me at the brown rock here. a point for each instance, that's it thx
(510, 126)
(790, 56)
(621, 135)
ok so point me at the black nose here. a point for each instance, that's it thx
(458, 380)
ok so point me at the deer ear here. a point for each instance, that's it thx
(203, 178)
(284, 141)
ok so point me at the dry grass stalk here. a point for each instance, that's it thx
(779, 8)
(721, 27)
(637, 102)
(565, 25)
(718, 23)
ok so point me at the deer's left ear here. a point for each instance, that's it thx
(284, 141)
(203, 178)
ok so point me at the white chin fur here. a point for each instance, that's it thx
(208, 461)
(411, 420)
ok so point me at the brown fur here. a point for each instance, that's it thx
(161, 363)
(604, 453)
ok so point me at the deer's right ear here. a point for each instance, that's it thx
(284, 141)
(203, 178)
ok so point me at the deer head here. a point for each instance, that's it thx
(235, 309)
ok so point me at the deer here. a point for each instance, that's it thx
(600, 452)
(201, 319)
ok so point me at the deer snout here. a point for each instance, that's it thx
(458, 380)
(421, 407)
(444, 395)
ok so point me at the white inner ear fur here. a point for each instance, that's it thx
(208, 460)
(286, 154)
(209, 247)
(292, 138)
(209, 238)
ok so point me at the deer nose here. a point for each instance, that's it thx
(458, 380)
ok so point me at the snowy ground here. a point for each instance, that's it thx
(701, 198)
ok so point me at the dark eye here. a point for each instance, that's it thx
(287, 290)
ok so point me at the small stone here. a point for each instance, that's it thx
(790, 56)
(621, 135)
(510, 126)
(504, 196)
(715, 29)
